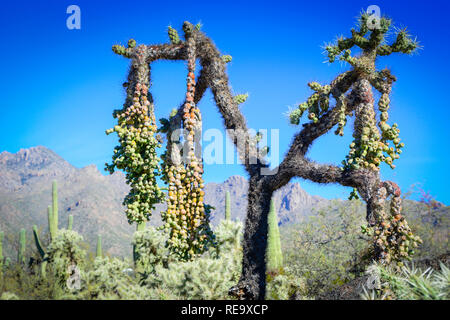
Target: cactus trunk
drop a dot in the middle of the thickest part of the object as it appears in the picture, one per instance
(51, 224)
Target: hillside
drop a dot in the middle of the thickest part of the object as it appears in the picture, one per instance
(95, 200)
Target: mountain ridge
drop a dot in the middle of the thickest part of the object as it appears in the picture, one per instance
(95, 200)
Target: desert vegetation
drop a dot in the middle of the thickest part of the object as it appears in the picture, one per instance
(323, 257)
(350, 250)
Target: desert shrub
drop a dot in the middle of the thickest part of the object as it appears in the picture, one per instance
(431, 225)
(285, 286)
(66, 256)
(9, 296)
(410, 283)
(110, 279)
(150, 251)
(325, 249)
(207, 277)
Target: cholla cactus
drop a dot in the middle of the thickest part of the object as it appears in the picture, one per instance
(108, 280)
(352, 92)
(186, 218)
(136, 153)
(208, 277)
(149, 250)
(64, 254)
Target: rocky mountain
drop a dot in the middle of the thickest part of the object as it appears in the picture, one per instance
(95, 200)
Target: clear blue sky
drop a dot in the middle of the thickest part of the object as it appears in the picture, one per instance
(59, 86)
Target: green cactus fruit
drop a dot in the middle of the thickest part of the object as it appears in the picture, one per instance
(240, 98)
(227, 58)
(173, 35)
(131, 43)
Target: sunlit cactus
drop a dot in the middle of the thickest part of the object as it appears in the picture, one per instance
(186, 218)
(274, 255)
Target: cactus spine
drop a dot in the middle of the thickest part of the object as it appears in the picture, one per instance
(99, 253)
(274, 255)
(22, 246)
(227, 206)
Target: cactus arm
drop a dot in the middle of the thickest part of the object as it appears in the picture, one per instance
(37, 241)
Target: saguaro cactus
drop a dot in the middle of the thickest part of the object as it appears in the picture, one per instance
(22, 247)
(55, 205)
(274, 255)
(227, 206)
(2, 235)
(70, 222)
(98, 252)
(41, 251)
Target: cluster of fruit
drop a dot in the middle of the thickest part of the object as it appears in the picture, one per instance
(136, 152)
(186, 218)
(393, 238)
(370, 148)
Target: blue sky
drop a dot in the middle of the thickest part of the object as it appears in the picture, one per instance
(60, 86)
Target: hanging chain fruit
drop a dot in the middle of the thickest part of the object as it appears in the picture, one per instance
(138, 143)
(186, 218)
